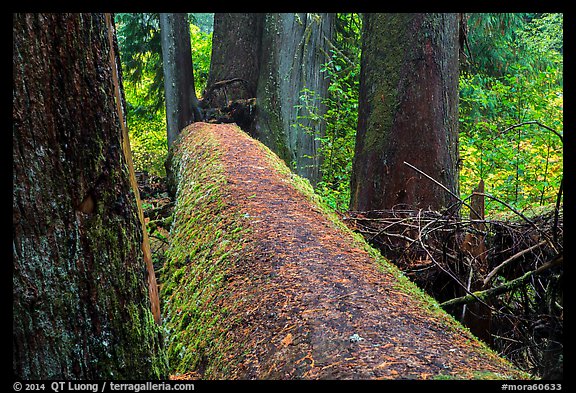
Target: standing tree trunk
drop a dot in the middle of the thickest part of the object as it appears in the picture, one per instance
(294, 48)
(81, 303)
(235, 58)
(408, 111)
(181, 101)
(182, 106)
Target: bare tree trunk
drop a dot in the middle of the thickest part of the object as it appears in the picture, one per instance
(235, 58)
(181, 101)
(294, 47)
(81, 305)
(408, 111)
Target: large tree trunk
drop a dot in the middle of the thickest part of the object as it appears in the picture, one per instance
(81, 305)
(408, 111)
(294, 48)
(235, 58)
(181, 101)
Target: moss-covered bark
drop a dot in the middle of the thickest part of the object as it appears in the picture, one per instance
(206, 241)
(268, 124)
(80, 297)
(408, 108)
(294, 48)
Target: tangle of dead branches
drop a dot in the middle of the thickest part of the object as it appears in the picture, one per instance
(501, 277)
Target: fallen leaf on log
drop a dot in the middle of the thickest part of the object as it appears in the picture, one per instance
(287, 340)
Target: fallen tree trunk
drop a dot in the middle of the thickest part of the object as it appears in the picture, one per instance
(264, 282)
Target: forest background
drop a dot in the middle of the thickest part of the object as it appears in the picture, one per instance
(510, 114)
(511, 73)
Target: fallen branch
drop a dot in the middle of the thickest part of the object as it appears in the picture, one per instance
(433, 234)
(449, 272)
(504, 288)
(444, 188)
(543, 233)
(507, 261)
(225, 82)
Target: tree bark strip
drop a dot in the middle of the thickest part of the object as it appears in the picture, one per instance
(236, 51)
(181, 101)
(293, 52)
(120, 108)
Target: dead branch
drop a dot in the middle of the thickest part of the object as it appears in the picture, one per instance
(437, 236)
(537, 123)
(444, 188)
(536, 227)
(504, 288)
(491, 275)
(449, 272)
(225, 82)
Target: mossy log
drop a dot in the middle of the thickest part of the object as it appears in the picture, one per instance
(263, 281)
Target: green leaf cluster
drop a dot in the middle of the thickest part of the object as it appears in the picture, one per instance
(523, 82)
(341, 115)
(141, 54)
(201, 43)
(141, 57)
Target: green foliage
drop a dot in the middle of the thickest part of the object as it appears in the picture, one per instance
(204, 21)
(516, 77)
(141, 52)
(337, 145)
(341, 116)
(499, 42)
(489, 37)
(141, 56)
(520, 165)
(201, 43)
(147, 128)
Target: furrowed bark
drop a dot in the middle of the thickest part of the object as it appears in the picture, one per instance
(408, 111)
(80, 297)
(293, 51)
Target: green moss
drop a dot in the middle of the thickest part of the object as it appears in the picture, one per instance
(477, 375)
(384, 54)
(271, 124)
(141, 355)
(206, 240)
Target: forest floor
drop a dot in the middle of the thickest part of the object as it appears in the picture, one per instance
(330, 309)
